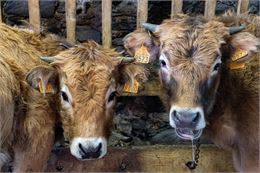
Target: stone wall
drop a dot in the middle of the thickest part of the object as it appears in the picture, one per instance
(123, 15)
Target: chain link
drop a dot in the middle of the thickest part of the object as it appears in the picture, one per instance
(194, 163)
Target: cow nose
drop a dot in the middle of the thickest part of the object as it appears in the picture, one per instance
(186, 118)
(90, 152)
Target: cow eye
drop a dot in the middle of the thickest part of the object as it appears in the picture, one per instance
(162, 63)
(217, 67)
(64, 96)
(112, 96)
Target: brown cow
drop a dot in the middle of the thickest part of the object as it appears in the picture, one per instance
(79, 90)
(199, 88)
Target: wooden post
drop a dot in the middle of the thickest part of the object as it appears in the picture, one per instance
(210, 8)
(34, 15)
(142, 12)
(176, 7)
(106, 23)
(71, 21)
(1, 11)
(242, 6)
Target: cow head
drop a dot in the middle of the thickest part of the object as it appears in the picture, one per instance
(89, 78)
(190, 51)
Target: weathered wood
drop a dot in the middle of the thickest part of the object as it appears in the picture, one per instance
(146, 159)
(142, 12)
(71, 21)
(242, 6)
(176, 6)
(210, 8)
(1, 20)
(34, 15)
(106, 23)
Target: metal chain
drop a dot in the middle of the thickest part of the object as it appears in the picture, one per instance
(194, 163)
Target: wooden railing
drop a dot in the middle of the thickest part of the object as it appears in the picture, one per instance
(142, 13)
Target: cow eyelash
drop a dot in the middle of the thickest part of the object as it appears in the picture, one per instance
(112, 96)
(217, 67)
(64, 96)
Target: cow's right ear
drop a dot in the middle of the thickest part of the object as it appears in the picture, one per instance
(45, 79)
(137, 39)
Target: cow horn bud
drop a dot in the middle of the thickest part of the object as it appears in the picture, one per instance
(235, 29)
(127, 60)
(48, 59)
(151, 27)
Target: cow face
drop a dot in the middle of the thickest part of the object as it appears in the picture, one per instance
(190, 54)
(90, 76)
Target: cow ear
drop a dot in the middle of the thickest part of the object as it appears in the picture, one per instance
(45, 79)
(135, 40)
(244, 45)
(131, 74)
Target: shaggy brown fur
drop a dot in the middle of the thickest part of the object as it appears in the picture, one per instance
(27, 118)
(230, 98)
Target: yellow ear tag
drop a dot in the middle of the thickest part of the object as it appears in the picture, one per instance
(49, 88)
(235, 66)
(238, 54)
(131, 88)
(142, 55)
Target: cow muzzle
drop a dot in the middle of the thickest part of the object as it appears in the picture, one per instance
(188, 122)
(88, 148)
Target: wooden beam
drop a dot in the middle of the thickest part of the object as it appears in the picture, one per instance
(145, 159)
(142, 12)
(176, 7)
(242, 6)
(71, 21)
(210, 8)
(34, 15)
(107, 23)
(1, 20)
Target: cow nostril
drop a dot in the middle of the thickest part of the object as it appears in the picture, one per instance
(196, 118)
(176, 116)
(98, 149)
(82, 148)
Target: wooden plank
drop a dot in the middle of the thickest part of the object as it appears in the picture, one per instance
(1, 20)
(71, 21)
(176, 6)
(106, 23)
(242, 6)
(210, 8)
(142, 13)
(145, 159)
(34, 15)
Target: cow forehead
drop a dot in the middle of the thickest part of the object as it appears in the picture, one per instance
(190, 46)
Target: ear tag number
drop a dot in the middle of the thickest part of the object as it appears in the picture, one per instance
(239, 54)
(45, 90)
(131, 88)
(142, 55)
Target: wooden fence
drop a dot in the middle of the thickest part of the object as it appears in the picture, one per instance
(142, 14)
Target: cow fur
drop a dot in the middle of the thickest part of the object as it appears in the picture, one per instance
(27, 117)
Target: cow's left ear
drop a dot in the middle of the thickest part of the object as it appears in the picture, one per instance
(131, 76)
(45, 79)
(244, 44)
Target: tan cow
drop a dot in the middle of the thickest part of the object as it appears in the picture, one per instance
(79, 90)
(210, 79)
